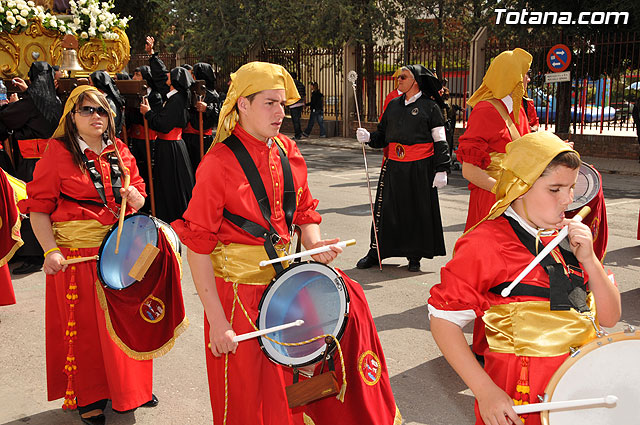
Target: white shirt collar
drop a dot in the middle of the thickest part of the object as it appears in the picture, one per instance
(510, 212)
(171, 93)
(412, 98)
(508, 102)
(84, 146)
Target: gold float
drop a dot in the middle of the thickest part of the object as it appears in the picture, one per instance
(19, 50)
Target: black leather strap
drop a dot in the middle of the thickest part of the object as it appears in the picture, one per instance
(270, 235)
(96, 178)
(564, 292)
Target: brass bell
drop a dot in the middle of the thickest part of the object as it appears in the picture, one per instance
(70, 60)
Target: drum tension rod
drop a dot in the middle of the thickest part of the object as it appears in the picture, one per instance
(327, 340)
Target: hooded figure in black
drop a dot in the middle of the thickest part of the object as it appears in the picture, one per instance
(135, 127)
(406, 210)
(211, 100)
(103, 82)
(172, 174)
(31, 120)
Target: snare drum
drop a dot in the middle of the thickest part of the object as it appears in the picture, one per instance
(605, 366)
(588, 191)
(313, 292)
(587, 187)
(138, 230)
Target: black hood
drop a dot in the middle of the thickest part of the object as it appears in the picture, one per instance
(181, 79)
(145, 71)
(103, 82)
(428, 82)
(42, 91)
(204, 71)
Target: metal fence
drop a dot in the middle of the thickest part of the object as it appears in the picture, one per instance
(605, 75)
(605, 80)
(450, 60)
(169, 59)
(322, 66)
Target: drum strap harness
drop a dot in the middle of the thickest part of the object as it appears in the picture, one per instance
(270, 235)
(96, 178)
(566, 288)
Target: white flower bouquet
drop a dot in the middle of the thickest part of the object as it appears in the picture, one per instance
(15, 14)
(93, 18)
(89, 18)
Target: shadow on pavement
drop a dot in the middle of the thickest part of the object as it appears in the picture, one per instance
(630, 303)
(390, 272)
(431, 395)
(623, 257)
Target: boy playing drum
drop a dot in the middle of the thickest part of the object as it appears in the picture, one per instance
(552, 309)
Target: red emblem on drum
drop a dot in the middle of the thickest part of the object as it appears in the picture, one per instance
(369, 367)
(152, 309)
(595, 227)
(400, 152)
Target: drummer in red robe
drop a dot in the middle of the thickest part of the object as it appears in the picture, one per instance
(10, 239)
(71, 214)
(530, 331)
(497, 118)
(245, 386)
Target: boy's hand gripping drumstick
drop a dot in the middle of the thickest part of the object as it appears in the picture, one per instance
(314, 251)
(547, 249)
(255, 334)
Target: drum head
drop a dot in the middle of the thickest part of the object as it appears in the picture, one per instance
(138, 230)
(587, 187)
(606, 366)
(312, 292)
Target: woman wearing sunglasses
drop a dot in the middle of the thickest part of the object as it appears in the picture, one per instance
(73, 200)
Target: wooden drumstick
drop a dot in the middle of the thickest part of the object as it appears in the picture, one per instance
(78, 260)
(313, 251)
(255, 334)
(608, 401)
(123, 207)
(547, 249)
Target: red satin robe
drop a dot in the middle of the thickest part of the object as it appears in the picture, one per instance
(465, 284)
(486, 133)
(103, 370)
(256, 392)
(9, 217)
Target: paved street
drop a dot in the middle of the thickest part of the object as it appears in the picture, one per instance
(427, 391)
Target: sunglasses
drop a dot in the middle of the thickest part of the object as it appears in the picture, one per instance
(87, 111)
(403, 77)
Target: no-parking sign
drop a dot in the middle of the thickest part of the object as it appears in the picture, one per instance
(559, 58)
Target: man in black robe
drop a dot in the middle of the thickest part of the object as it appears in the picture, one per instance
(210, 108)
(407, 211)
(172, 174)
(29, 123)
(135, 128)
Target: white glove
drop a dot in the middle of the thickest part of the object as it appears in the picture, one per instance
(362, 135)
(440, 179)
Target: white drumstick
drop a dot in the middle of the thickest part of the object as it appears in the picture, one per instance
(313, 251)
(547, 249)
(261, 332)
(609, 401)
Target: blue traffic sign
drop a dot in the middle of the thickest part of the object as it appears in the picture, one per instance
(559, 58)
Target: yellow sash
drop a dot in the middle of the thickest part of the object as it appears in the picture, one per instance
(79, 233)
(239, 263)
(531, 329)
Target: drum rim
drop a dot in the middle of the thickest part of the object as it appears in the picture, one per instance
(591, 198)
(104, 241)
(599, 342)
(341, 330)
